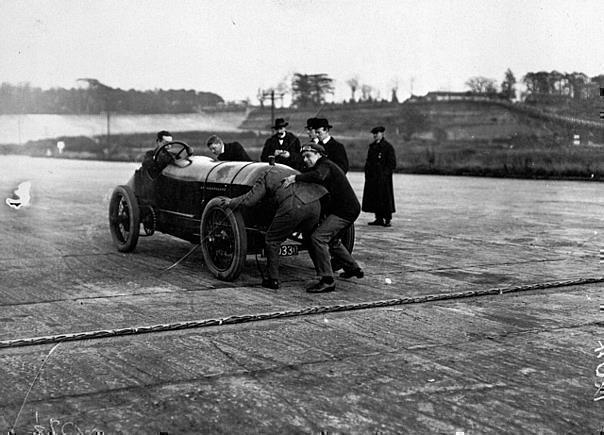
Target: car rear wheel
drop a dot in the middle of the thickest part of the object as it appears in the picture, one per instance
(223, 240)
(124, 218)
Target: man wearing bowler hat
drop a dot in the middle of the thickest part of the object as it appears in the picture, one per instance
(378, 192)
(284, 145)
(311, 131)
(334, 149)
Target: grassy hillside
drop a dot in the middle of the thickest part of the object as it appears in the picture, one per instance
(462, 138)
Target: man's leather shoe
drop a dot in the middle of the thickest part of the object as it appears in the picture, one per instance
(322, 287)
(358, 273)
(377, 222)
(387, 224)
(270, 283)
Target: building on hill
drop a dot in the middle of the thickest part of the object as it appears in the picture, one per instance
(435, 96)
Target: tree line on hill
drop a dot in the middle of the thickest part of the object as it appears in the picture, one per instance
(312, 90)
(542, 86)
(23, 98)
(306, 90)
(555, 85)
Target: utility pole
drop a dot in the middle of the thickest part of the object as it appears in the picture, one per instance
(108, 124)
(270, 93)
(105, 91)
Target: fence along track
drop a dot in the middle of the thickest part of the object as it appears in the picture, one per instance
(246, 318)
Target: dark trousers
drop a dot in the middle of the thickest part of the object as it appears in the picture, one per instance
(325, 244)
(298, 217)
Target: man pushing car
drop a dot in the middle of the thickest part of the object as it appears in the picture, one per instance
(298, 209)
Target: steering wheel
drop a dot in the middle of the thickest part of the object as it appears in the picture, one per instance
(164, 149)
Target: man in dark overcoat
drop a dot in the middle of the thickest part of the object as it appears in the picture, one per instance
(284, 145)
(310, 130)
(299, 209)
(232, 151)
(378, 192)
(334, 149)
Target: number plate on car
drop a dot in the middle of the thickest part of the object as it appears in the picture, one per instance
(285, 251)
(288, 250)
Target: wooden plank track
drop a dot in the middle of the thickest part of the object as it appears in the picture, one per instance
(511, 363)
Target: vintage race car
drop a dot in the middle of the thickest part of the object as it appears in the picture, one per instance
(184, 200)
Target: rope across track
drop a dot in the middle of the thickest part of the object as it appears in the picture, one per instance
(246, 318)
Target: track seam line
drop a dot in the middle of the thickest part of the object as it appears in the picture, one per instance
(246, 318)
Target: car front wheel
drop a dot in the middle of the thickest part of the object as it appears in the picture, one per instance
(223, 240)
(124, 218)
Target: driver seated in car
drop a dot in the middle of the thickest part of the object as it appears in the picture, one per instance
(298, 209)
(152, 165)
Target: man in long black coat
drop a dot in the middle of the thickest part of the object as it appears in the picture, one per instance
(378, 193)
(232, 151)
(284, 145)
(334, 149)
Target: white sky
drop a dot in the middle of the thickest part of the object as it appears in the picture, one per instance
(235, 47)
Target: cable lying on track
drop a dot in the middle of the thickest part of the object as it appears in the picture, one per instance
(231, 320)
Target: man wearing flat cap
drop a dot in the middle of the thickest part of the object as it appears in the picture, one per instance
(378, 192)
(342, 210)
(284, 145)
(334, 149)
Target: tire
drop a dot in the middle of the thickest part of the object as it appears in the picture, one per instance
(124, 218)
(347, 238)
(223, 240)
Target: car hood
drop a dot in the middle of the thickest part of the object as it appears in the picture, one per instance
(206, 170)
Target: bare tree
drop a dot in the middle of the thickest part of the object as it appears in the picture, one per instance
(394, 87)
(284, 87)
(411, 82)
(577, 83)
(480, 85)
(366, 92)
(507, 85)
(354, 85)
